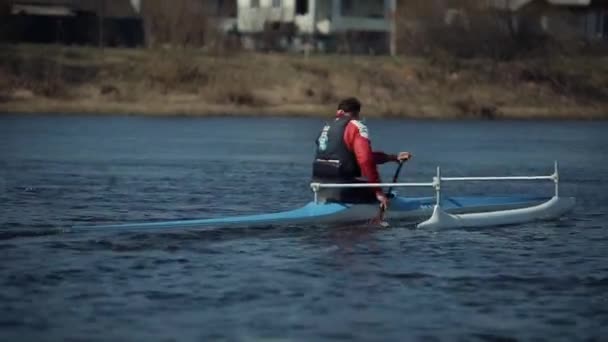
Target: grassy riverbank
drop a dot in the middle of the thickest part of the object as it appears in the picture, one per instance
(189, 82)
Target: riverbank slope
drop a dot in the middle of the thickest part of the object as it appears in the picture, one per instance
(56, 79)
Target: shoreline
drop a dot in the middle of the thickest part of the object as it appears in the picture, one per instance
(188, 82)
(67, 108)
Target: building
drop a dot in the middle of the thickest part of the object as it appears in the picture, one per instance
(569, 19)
(79, 22)
(355, 26)
(225, 11)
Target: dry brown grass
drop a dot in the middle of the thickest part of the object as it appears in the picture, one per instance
(191, 82)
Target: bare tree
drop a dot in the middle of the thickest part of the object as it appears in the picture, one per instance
(464, 28)
(101, 18)
(4, 25)
(178, 23)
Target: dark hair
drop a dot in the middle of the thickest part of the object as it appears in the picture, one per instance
(350, 105)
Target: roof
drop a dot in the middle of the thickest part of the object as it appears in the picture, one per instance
(46, 10)
(110, 8)
(515, 5)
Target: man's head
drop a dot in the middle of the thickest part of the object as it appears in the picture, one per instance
(350, 106)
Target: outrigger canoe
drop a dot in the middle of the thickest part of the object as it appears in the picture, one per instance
(439, 212)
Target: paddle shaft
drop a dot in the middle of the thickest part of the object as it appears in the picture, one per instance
(395, 176)
(380, 217)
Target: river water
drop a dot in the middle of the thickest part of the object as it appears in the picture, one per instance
(536, 281)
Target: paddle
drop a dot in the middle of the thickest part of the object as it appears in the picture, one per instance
(395, 177)
(380, 217)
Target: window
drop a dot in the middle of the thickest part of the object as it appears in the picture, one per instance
(276, 3)
(596, 24)
(301, 7)
(606, 24)
(363, 9)
(227, 8)
(255, 3)
(347, 6)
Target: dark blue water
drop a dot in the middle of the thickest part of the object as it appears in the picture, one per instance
(537, 281)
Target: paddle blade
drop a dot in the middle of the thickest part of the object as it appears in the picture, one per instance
(384, 224)
(379, 220)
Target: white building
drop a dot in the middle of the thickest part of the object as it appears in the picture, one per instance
(324, 21)
(565, 18)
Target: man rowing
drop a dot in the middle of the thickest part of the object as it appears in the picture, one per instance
(344, 155)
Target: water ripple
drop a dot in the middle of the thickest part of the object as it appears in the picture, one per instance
(537, 281)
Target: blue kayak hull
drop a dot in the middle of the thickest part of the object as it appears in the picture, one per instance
(323, 213)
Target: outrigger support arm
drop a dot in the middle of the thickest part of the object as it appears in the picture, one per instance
(368, 185)
(436, 184)
(556, 179)
(315, 190)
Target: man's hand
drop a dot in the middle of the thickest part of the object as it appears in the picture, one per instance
(403, 156)
(382, 199)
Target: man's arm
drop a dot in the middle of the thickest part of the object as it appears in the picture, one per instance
(357, 130)
(356, 138)
(366, 159)
(381, 157)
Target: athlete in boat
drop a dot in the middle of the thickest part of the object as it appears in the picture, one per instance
(344, 155)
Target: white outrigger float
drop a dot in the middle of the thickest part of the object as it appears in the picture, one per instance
(462, 212)
(439, 211)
